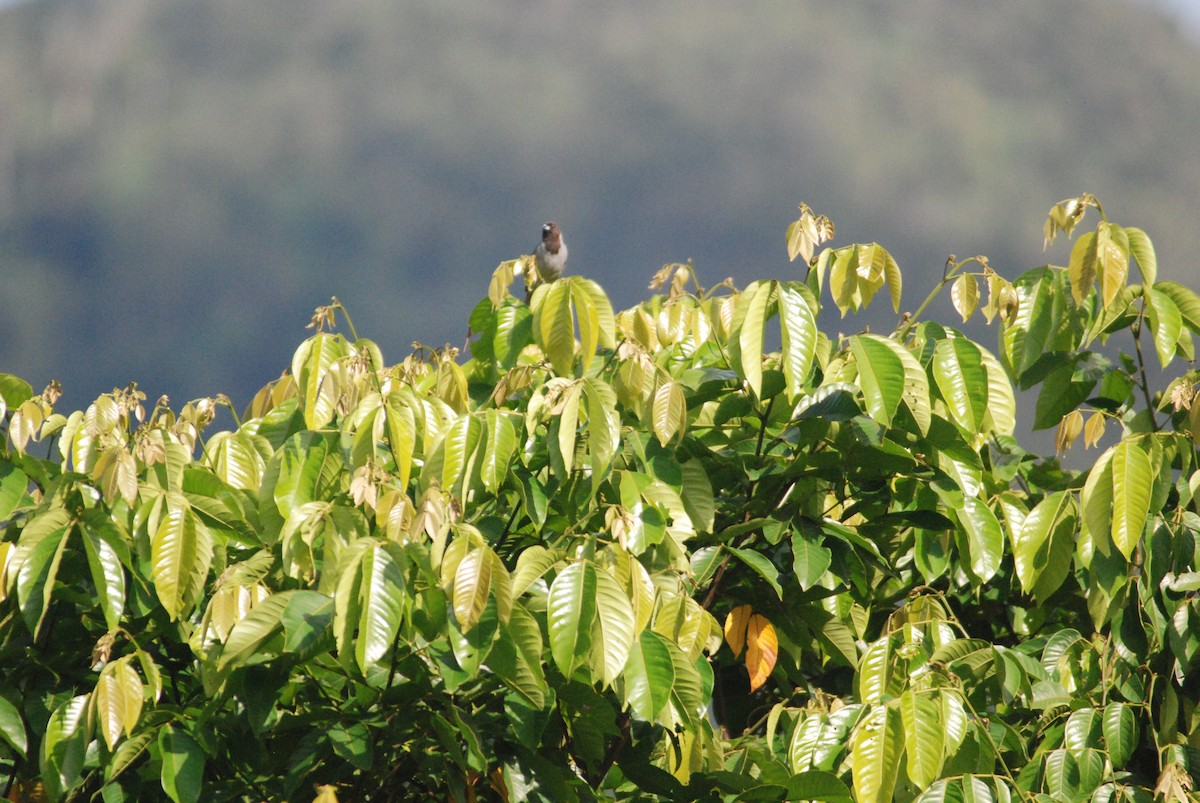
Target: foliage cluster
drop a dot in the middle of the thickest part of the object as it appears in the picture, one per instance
(400, 143)
(632, 554)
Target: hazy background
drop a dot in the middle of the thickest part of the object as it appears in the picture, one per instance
(183, 181)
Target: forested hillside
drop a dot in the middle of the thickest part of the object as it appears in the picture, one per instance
(180, 182)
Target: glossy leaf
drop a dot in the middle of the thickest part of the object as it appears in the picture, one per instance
(1166, 323)
(614, 626)
(649, 674)
(64, 745)
(571, 610)
(962, 380)
(12, 727)
(1143, 254)
(880, 375)
(118, 701)
(1120, 732)
(181, 552)
(964, 294)
(669, 413)
(1132, 478)
(799, 329)
(369, 602)
(985, 538)
(750, 319)
(924, 751)
(876, 747)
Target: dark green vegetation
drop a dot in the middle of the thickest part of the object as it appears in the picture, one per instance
(180, 178)
(633, 554)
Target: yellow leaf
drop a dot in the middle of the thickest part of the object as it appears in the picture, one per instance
(762, 648)
(735, 628)
(965, 295)
(1094, 430)
(1068, 430)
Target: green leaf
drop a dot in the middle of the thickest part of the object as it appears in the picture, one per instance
(118, 700)
(697, 494)
(369, 601)
(13, 483)
(12, 727)
(501, 438)
(668, 413)
(876, 747)
(1186, 301)
(37, 576)
(597, 325)
(180, 553)
(104, 545)
(1025, 338)
(761, 565)
(1082, 731)
(817, 785)
(14, 392)
(648, 676)
(1120, 732)
(311, 366)
(1042, 547)
(554, 328)
(517, 659)
(248, 633)
(1083, 267)
(455, 455)
(64, 746)
(568, 425)
(613, 627)
(1132, 477)
(960, 376)
(1143, 253)
(1001, 415)
(875, 672)
(570, 612)
(923, 736)
(747, 338)
(810, 559)
(799, 329)
(1166, 323)
(182, 774)
(985, 538)
(880, 375)
(472, 585)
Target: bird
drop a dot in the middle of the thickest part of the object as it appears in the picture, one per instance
(549, 258)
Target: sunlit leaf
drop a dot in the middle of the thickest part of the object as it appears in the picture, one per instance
(118, 701)
(1165, 321)
(962, 380)
(964, 294)
(762, 649)
(799, 329)
(669, 413)
(985, 538)
(180, 553)
(876, 748)
(920, 715)
(613, 627)
(1132, 477)
(571, 610)
(880, 375)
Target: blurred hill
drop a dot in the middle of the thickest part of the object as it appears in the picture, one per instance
(181, 183)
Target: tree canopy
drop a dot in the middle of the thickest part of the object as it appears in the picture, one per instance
(633, 554)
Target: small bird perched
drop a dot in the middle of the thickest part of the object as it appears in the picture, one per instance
(549, 258)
